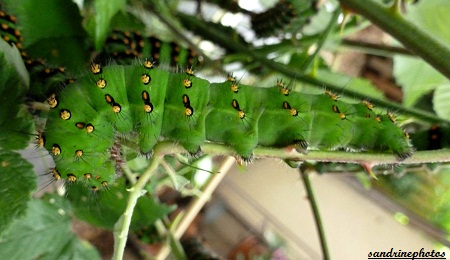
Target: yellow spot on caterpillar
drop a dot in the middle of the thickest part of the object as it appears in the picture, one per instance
(293, 111)
(231, 78)
(116, 108)
(367, 115)
(87, 176)
(188, 111)
(79, 153)
(148, 108)
(71, 178)
(407, 134)
(90, 128)
(241, 114)
(283, 89)
(234, 87)
(332, 95)
(391, 117)
(378, 119)
(64, 114)
(186, 101)
(105, 184)
(187, 83)
(336, 110)
(52, 101)
(96, 68)
(98, 177)
(190, 72)
(148, 64)
(145, 96)
(235, 105)
(56, 174)
(101, 83)
(145, 78)
(94, 189)
(368, 104)
(109, 99)
(40, 139)
(80, 125)
(56, 150)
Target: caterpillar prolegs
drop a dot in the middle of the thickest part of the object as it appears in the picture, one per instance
(152, 104)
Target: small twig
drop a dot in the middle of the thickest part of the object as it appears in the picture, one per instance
(324, 36)
(122, 226)
(197, 204)
(379, 49)
(316, 213)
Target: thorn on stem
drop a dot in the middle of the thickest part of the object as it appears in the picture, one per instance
(368, 167)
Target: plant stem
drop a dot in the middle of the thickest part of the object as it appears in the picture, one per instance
(375, 158)
(411, 36)
(380, 50)
(331, 24)
(316, 213)
(122, 226)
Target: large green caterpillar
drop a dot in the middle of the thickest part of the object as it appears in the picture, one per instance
(151, 104)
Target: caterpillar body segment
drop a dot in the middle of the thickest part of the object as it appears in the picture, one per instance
(152, 104)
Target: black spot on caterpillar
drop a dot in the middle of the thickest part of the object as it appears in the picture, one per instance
(81, 129)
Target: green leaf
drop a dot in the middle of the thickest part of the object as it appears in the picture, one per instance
(17, 182)
(440, 101)
(417, 77)
(48, 27)
(15, 122)
(104, 208)
(432, 16)
(106, 9)
(45, 233)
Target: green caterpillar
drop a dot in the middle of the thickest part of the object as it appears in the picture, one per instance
(151, 104)
(284, 13)
(43, 76)
(277, 18)
(8, 30)
(124, 46)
